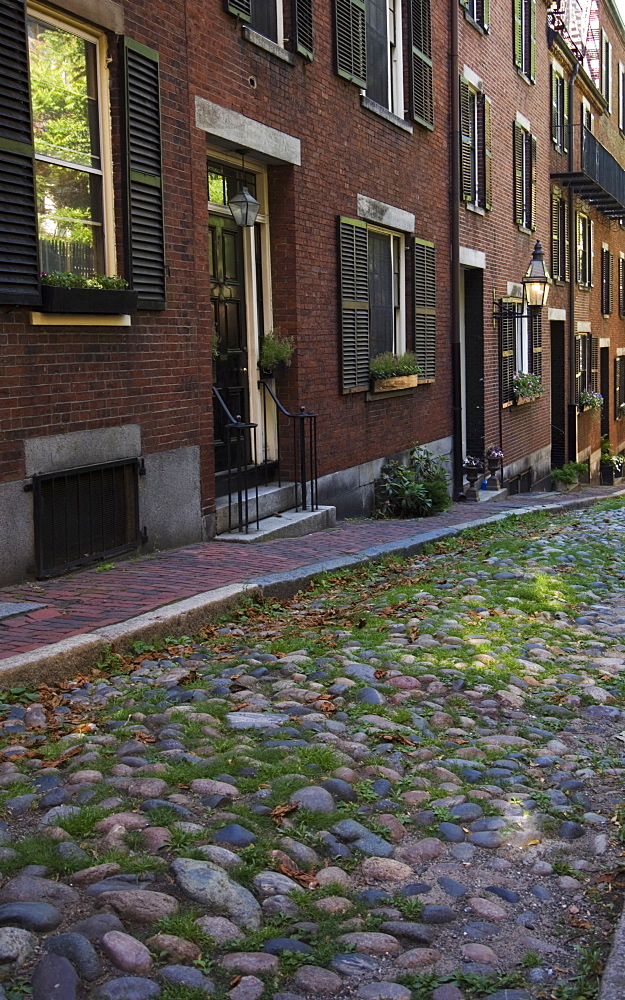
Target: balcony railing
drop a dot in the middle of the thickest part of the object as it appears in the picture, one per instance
(599, 178)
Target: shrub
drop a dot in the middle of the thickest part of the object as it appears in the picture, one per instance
(564, 475)
(417, 490)
(67, 279)
(275, 349)
(392, 365)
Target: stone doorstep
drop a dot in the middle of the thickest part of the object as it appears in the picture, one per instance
(290, 524)
(272, 500)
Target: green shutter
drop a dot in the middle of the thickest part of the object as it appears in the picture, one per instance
(486, 15)
(578, 368)
(532, 40)
(421, 98)
(567, 241)
(532, 193)
(466, 141)
(303, 25)
(594, 364)
(536, 329)
(351, 40)
(518, 174)
(488, 154)
(425, 307)
(518, 34)
(145, 242)
(508, 322)
(565, 123)
(555, 237)
(580, 248)
(240, 8)
(354, 277)
(19, 252)
(555, 122)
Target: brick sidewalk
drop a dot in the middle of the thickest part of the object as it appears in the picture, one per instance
(88, 599)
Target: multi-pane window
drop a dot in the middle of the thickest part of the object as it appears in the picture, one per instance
(368, 53)
(524, 177)
(607, 281)
(520, 345)
(372, 297)
(605, 82)
(584, 250)
(68, 155)
(478, 11)
(475, 147)
(559, 109)
(619, 385)
(560, 251)
(586, 364)
(587, 117)
(384, 68)
(525, 37)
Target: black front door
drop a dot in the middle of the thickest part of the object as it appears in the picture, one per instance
(230, 357)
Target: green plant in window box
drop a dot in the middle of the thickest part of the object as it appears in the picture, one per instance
(526, 386)
(394, 371)
(276, 353)
(97, 294)
(592, 401)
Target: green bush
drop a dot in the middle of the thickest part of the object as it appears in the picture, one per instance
(565, 475)
(275, 349)
(417, 490)
(67, 279)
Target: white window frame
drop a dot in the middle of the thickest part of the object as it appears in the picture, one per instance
(397, 246)
(588, 118)
(621, 97)
(559, 141)
(583, 244)
(97, 38)
(395, 63)
(279, 40)
(522, 342)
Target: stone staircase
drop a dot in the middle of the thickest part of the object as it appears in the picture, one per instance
(277, 516)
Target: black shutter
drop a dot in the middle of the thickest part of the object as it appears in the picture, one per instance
(594, 364)
(533, 175)
(519, 149)
(618, 385)
(145, 241)
(421, 86)
(354, 276)
(240, 8)
(508, 322)
(564, 208)
(488, 153)
(303, 25)
(351, 40)
(610, 282)
(621, 287)
(425, 308)
(555, 237)
(19, 259)
(578, 368)
(466, 142)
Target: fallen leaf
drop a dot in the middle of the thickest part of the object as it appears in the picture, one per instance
(281, 811)
(241, 705)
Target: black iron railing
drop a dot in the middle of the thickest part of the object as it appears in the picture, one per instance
(303, 457)
(597, 176)
(241, 449)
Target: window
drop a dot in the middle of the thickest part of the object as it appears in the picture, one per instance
(55, 168)
(587, 117)
(607, 281)
(586, 364)
(605, 81)
(383, 34)
(369, 54)
(263, 16)
(560, 249)
(559, 109)
(621, 97)
(525, 38)
(619, 385)
(372, 290)
(524, 178)
(68, 161)
(475, 148)
(520, 343)
(584, 250)
(478, 11)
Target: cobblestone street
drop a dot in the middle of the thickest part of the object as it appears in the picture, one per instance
(406, 783)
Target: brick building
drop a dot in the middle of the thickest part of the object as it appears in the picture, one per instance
(403, 158)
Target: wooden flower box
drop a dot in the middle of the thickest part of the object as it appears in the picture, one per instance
(90, 301)
(397, 382)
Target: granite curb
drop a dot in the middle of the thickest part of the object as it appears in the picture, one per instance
(62, 660)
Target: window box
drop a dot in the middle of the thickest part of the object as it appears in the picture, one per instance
(521, 400)
(397, 382)
(95, 301)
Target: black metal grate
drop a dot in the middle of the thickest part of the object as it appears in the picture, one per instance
(82, 515)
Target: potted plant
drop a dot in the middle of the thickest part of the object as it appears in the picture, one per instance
(96, 294)
(494, 458)
(526, 387)
(276, 353)
(472, 469)
(610, 465)
(394, 371)
(563, 479)
(592, 401)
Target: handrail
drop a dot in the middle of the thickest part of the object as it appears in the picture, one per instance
(241, 434)
(305, 469)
